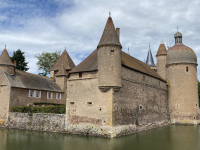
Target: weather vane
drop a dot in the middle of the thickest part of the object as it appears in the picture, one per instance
(177, 28)
(128, 51)
(109, 14)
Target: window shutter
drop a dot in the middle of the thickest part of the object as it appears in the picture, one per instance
(39, 94)
(51, 95)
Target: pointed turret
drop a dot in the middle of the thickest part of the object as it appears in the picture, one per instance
(61, 78)
(109, 58)
(5, 62)
(61, 71)
(109, 36)
(64, 60)
(161, 61)
(149, 60)
(162, 49)
(5, 58)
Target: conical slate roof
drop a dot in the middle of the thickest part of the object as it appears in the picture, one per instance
(162, 49)
(64, 59)
(5, 58)
(62, 71)
(149, 60)
(109, 36)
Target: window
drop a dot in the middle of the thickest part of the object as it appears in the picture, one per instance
(187, 69)
(143, 78)
(80, 74)
(48, 95)
(140, 107)
(58, 95)
(36, 94)
(112, 53)
(90, 103)
(71, 102)
(30, 93)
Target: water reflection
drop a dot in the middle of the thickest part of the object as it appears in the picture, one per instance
(165, 138)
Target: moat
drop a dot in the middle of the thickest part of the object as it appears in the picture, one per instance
(165, 138)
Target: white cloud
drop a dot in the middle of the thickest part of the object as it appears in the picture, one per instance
(79, 27)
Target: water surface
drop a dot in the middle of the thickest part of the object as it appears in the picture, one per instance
(165, 138)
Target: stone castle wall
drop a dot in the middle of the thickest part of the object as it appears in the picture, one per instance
(161, 66)
(86, 104)
(109, 66)
(142, 100)
(183, 93)
(57, 123)
(4, 97)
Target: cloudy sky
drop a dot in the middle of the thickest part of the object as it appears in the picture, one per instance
(35, 26)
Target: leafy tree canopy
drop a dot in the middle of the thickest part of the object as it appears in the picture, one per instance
(46, 61)
(20, 59)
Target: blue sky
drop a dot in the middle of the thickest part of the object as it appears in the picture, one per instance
(35, 26)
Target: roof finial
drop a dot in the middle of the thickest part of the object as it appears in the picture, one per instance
(65, 47)
(5, 46)
(177, 28)
(149, 45)
(109, 14)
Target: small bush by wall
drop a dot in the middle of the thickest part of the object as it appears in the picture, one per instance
(42, 103)
(39, 109)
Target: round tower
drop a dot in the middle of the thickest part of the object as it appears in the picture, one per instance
(161, 61)
(109, 58)
(6, 63)
(182, 80)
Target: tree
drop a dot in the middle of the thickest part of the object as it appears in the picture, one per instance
(20, 59)
(46, 61)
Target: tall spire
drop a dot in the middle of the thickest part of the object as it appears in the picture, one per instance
(109, 36)
(149, 60)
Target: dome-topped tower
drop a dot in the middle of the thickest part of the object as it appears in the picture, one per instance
(182, 80)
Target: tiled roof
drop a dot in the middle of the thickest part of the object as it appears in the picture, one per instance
(90, 64)
(64, 59)
(61, 72)
(161, 50)
(31, 81)
(5, 58)
(109, 36)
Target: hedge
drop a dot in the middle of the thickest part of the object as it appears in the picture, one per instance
(40, 109)
(42, 103)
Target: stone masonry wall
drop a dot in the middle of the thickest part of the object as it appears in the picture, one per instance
(142, 100)
(36, 121)
(161, 66)
(183, 93)
(86, 104)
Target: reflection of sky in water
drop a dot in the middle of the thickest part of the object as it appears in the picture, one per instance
(165, 138)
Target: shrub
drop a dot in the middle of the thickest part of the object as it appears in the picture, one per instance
(42, 103)
(39, 109)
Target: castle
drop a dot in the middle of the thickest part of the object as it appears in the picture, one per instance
(110, 90)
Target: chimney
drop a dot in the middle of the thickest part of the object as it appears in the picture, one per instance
(15, 64)
(118, 32)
